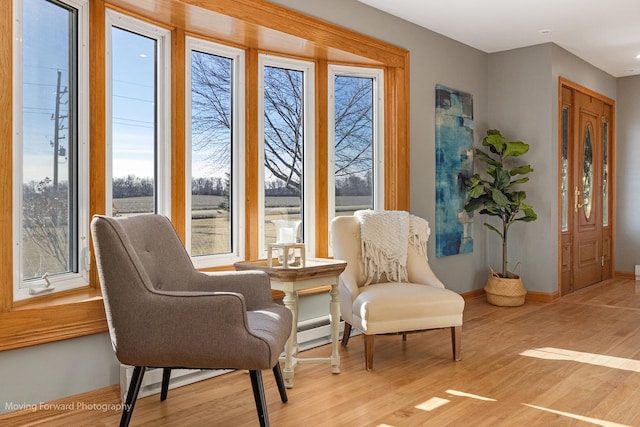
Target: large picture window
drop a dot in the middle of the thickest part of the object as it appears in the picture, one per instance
(50, 137)
(214, 165)
(138, 109)
(286, 122)
(355, 139)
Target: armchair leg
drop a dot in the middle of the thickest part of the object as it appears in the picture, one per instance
(258, 394)
(280, 382)
(456, 342)
(132, 395)
(166, 376)
(368, 351)
(346, 334)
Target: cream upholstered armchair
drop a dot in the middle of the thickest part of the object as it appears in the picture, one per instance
(390, 306)
(162, 313)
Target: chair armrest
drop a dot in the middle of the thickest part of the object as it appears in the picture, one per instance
(348, 283)
(255, 286)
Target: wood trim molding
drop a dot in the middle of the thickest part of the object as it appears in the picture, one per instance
(97, 127)
(47, 321)
(6, 158)
(321, 160)
(178, 124)
(630, 275)
(251, 157)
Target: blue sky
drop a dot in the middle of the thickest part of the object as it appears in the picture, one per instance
(45, 51)
(133, 59)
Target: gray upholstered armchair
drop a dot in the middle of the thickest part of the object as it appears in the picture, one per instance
(163, 313)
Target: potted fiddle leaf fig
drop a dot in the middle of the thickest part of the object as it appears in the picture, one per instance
(496, 192)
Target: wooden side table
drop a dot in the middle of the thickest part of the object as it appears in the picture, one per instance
(317, 272)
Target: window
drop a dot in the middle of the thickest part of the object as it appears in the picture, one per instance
(355, 140)
(286, 121)
(50, 146)
(138, 111)
(214, 153)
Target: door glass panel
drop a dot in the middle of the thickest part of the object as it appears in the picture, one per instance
(605, 174)
(565, 168)
(587, 173)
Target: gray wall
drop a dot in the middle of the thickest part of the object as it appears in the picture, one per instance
(627, 247)
(46, 372)
(520, 89)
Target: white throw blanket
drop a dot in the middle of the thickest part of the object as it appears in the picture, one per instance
(385, 236)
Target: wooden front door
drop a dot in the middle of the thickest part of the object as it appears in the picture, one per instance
(586, 232)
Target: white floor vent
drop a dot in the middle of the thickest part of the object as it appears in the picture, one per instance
(311, 333)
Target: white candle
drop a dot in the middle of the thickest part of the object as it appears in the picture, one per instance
(286, 235)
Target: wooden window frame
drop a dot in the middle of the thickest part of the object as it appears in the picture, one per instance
(253, 25)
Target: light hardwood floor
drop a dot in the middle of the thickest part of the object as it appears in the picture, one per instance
(573, 362)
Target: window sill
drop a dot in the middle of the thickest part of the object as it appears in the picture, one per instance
(70, 314)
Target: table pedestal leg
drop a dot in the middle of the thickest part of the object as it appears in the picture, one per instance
(334, 319)
(291, 302)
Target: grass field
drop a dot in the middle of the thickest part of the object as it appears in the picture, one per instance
(210, 226)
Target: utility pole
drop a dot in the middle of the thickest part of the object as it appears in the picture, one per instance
(57, 128)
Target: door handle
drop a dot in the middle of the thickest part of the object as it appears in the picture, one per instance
(577, 197)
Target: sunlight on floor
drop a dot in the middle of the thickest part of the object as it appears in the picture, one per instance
(579, 417)
(437, 402)
(473, 396)
(550, 353)
(431, 404)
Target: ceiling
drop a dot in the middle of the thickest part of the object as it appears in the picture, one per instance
(604, 33)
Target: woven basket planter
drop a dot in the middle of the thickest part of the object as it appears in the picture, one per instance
(505, 292)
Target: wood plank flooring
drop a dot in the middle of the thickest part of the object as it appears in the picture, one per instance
(573, 362)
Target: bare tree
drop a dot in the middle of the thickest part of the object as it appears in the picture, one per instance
(211, 107)
(45, 222)
(283, 120)
(353, 126)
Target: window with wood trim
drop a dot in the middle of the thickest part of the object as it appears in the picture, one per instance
(286, 125)
(214, 152)
(138, 110)
(50, 216)
(356, 135)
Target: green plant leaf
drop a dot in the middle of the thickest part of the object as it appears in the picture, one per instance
(499, 198)
(476, 191)
(518, 181)
(502, 178)
(515, 148)
(496, 143)
(517, 197)
(521, 170)
(491, 227)
(482, 156)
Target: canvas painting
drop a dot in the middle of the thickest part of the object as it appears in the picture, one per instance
(454, 164)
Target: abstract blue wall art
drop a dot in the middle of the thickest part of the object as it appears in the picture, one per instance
(454, 164)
